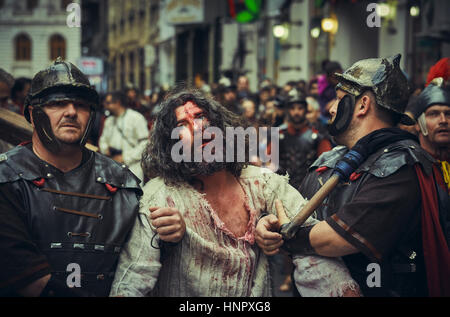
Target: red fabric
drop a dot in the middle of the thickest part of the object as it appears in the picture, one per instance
(111, 188)
(435, 249)
(232, 9)
(324, 146)
(39, 182)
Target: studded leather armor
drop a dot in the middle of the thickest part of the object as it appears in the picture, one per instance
(83, 216)
(297, 153)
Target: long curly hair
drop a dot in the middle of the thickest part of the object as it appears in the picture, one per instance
(156, 159)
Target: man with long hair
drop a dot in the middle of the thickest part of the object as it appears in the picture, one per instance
(220, 203)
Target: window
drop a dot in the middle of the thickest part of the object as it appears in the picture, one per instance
(57, 47)
(142, 68)
(122, 71)
(131, 65)
(23, 47)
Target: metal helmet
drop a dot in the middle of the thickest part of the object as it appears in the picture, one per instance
(295, 96)
(61, 81)
(384, 78)
(433, 94)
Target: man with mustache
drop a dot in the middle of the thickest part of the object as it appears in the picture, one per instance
(65, 211)
(384, 217)
(220, 203)
(432, 112)
(300, 145)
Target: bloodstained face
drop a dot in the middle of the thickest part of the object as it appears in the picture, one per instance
(193, 120)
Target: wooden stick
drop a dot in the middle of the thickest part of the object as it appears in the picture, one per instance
(288, 229)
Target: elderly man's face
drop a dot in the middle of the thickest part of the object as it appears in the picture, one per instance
(68, 120)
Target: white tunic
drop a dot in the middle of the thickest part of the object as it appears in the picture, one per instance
(128, 133)
(210, 260)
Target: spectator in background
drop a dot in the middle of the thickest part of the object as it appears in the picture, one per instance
(264, 95)
(243, 87)
(288, 87)
(6, 83)
(249, 107)
(20, 91)
(301, 85)
(313, 89)
(228, 96)
(201, 84)
(326, 86)
(125, 134)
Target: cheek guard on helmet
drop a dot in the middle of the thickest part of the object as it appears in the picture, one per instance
(344, 115)
(45, 132)
(60, 82)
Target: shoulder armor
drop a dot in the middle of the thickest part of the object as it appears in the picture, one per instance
(385, 161)
(18, 163)
(388, 160)
(109, 171)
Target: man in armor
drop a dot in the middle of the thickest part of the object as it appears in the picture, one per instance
(432, 112)
(65, 211)
(300, 145)
(384, 216)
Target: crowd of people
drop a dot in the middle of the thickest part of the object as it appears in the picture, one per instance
(389, 145)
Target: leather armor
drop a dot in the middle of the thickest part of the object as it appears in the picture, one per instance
(407, 258)
(297, 153)
(83, 216)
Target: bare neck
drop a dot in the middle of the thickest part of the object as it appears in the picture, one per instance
(66, 160)
(365, 127)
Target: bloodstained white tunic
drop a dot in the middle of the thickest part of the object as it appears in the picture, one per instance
(210, 260)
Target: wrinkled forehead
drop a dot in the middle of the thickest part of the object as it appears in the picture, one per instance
(188, 110)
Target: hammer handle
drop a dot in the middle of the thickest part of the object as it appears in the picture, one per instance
(288, 230)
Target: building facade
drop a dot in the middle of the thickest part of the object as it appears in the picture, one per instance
(34, 33)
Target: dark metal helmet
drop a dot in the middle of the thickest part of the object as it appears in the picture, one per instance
(384, 78)
(433, 94)
(295, 96)
(61, 81)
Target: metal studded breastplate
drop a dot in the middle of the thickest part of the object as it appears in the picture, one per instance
(297, 153)
(82, 217)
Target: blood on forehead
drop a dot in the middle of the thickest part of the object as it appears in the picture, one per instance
(187, 111)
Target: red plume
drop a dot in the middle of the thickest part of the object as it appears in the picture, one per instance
(440, 69)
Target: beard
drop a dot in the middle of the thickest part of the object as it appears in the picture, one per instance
(346, 137)
(195, 169)
(296, 119)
